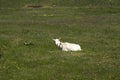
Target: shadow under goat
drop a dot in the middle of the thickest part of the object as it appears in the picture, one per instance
(66, 46)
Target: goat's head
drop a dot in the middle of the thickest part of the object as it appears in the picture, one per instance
(57, 42)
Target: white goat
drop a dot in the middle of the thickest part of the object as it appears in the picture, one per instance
(65, 46)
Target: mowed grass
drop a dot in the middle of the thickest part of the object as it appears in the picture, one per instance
(97, 30)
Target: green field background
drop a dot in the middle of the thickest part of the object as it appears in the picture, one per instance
(94, 24)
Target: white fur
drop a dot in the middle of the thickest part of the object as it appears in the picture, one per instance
(65, 46)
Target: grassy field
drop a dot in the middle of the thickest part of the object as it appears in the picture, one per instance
(94, 24)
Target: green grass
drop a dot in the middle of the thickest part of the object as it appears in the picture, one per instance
(97, 30)
(61, 3)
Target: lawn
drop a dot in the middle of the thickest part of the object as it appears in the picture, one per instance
(94, 26)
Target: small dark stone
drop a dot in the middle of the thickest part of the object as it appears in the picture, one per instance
(28, 43)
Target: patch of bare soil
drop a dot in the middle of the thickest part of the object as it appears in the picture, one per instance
(33, 6)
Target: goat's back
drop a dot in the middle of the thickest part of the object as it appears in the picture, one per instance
(70, 46)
